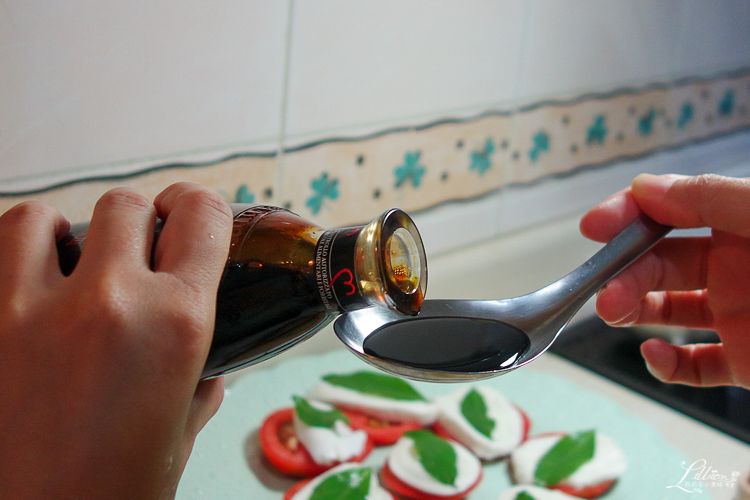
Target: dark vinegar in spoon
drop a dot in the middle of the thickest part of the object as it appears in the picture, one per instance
(451, 344)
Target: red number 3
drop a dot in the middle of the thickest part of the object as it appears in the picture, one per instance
(349, 282)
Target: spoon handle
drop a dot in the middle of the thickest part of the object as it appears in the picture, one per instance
(577, 287)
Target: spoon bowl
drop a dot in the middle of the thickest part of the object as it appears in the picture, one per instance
(541, 316)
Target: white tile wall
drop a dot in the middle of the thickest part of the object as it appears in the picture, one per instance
(359, 67)
(92, 87)
(717, 36)
(580, 46)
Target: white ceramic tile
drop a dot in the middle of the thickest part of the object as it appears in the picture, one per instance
(365, 65)
(580, 46)
(107, 86)
(718, 36)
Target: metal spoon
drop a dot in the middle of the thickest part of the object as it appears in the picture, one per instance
(542, 315)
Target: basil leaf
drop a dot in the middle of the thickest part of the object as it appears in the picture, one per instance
(565, 457)
(474, 410)
(350, 484)
(436, 455)
(314, 417)
(524, 495)
(376, 384)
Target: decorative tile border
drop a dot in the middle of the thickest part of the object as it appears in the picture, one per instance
(230, 177)
(419, 168)
(345, 180)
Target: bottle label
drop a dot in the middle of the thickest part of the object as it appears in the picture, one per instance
(334, 269)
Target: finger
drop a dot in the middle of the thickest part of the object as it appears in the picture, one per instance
(709, 200)
(685, 309)
(120, 233)
(607, 219)
(29, 251)
(206, 402)
(194, 242)
(699, 364)
(673, 264)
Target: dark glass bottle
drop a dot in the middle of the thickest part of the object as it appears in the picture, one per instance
(286, 278)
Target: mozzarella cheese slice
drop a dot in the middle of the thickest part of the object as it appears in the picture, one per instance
(424, 412)
(607, 463)
(376, 492)
(508, 431)
(330, 445)
(405, 465)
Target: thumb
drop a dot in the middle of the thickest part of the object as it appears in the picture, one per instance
(708, 200)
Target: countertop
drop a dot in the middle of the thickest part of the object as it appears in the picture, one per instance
(523, 262)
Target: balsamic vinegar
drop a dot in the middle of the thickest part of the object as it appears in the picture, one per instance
(451, 344)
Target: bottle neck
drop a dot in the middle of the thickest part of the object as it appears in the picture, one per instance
(335, 270)
(380, 264)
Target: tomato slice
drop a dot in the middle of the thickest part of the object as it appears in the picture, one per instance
(283, 449)
(445, 434)
(592, 491)
(381, 432)
(389, 481)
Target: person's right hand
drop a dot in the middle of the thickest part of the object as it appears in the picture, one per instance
(100, 394)
(695, 282)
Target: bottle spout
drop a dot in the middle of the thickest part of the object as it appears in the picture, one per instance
(391, 265)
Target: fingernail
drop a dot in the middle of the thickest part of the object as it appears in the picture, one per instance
(654, 185)
(654, 372)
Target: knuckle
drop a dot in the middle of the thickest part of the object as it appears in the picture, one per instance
(705, 180)
(15, 312)
(123, 198)
(108, 303)
(705, 192)
(705, 186)
(209, 202)
(28, 212)
(190, 324)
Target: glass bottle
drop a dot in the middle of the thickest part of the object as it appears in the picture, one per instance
(286, 278)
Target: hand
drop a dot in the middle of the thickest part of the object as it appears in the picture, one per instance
(100, 394)
(695, 282)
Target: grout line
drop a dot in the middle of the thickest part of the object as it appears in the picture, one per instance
(279, 177)
(521, 75)
(687, 10)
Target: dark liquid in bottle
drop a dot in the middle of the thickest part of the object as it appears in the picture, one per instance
(268, 295)
(452, 344)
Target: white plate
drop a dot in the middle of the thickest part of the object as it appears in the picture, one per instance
(227, 463)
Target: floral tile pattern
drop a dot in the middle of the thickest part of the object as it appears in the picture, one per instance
(343, 181)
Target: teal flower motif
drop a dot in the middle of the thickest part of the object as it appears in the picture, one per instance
(726, 105)
(686, 115)
(323, 187)
(646, 123)
(597, 131)
(540, 145)
(243, 195)
(480, 160)
(410, 170)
